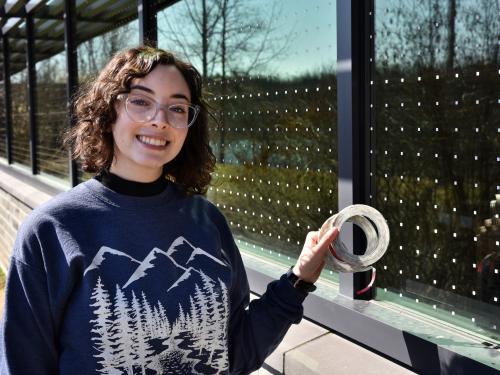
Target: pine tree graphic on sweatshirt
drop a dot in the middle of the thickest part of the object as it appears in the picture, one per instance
(133, 335)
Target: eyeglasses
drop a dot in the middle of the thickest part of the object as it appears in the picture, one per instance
(141, 108)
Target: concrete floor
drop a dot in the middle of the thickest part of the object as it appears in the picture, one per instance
(308, 349)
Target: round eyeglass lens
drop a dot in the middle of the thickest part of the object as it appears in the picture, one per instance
(143, 109)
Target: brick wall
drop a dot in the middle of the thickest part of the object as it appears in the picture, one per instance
(12, 213)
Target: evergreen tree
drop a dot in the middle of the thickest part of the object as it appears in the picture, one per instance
(148, 315)
(195, 319)
(156, 322)
(202, 316)
(221, 361)
(124, 334)
(102, 327)
(213, 316)
(165, 324)
(141, 343)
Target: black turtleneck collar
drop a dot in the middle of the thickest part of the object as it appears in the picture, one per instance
(133, 188)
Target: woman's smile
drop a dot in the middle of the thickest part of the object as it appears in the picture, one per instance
(158, 142)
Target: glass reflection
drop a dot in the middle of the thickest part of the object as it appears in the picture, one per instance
(269, 68)
(437, 124)
(51, 115)
(20, 129)
(3, 148)
(94, 53)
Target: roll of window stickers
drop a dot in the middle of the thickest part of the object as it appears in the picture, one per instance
(377, 235)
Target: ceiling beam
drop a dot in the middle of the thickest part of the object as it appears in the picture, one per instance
(47, 14)
(34, 5)
(10, 24)
(97, 17)
(13, 6)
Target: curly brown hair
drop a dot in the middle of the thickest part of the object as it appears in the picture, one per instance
(91, 139)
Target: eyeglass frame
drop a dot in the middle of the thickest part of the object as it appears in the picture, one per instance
(124, 96)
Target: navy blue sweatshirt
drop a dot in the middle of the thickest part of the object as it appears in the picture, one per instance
(102, 282)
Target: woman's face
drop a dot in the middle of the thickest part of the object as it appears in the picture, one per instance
(141, 149)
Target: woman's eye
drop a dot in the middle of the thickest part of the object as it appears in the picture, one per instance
(178, 109)
(140, 102)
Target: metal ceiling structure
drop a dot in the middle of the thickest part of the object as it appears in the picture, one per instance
(92, 18)
(34, 30)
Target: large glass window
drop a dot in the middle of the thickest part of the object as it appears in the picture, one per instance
(436, 126)
(94, 53)
(51, 115)
(270, 79)
(3, 130)
(20, 126)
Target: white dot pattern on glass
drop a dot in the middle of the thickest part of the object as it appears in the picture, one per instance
(432, 167)
(435, 160)
(275, 134)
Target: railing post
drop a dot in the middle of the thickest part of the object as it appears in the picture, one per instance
(32, 105)
(72, 68)
(353, 30)
(148, 27)
(7, 98)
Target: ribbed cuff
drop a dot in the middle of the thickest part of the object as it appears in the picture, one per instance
(286, 291)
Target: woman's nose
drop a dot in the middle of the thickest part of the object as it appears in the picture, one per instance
(161, 119)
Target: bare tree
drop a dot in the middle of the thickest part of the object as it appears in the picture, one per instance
(225, 35)
(95, 52)
(229, 38)
(452, 15)
(198, 39)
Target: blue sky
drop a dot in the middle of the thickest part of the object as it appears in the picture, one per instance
(309, 26)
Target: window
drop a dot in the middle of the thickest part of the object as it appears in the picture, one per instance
(94, 53)
(437, 161)
(51, 115)
(3, 146)
(270, 79)
(20, 126)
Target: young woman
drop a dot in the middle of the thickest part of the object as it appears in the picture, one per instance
(134, 271)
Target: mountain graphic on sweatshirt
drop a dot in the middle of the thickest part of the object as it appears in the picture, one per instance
(175, 260)
(133, 333)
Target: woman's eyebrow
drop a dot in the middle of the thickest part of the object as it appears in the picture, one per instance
(180, 96)
(148, 90)
(140, 87)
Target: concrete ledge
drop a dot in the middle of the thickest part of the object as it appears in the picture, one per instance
(296, 336)
(20, 193)
(332, 354)
(31, 190)
(309, 349)
(29, 195)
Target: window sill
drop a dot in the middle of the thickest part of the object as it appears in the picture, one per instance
(411, 338)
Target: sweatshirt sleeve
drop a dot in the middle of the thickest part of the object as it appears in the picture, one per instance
(27, 343)
(257, 328)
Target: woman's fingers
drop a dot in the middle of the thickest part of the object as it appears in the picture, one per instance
(312, 259)
(327, 239)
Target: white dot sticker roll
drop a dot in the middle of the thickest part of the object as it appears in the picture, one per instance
(376, 232)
